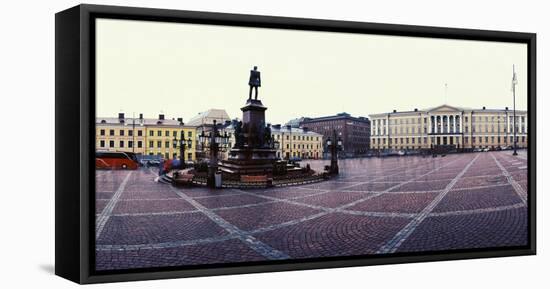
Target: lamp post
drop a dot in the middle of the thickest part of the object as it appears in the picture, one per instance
(216, 141)
(514, 83)
(182, 143)
(334, 144)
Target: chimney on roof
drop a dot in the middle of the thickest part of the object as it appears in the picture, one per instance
(180, 120)
(394, 111)
(506, 108)
(484, 108)
(141, 116)
(161, 116)
(121, 115)
(416, 109)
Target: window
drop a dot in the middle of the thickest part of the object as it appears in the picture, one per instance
(121, 132)
(102, 143)
(111, 143)
(159, 143)
(111, 132)
(150, 143)
(121, 144)
(140, 132)
(167, 133)
(159, 133)
(102, 132)
(130, 144)
(175, 134)
(189, 156)
(166, 144)
(189, 134)
(131, 133)
(151, 133)
(139, 144)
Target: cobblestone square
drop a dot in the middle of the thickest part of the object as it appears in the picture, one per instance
(375, 206)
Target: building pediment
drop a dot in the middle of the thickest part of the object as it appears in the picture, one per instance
(444, 108)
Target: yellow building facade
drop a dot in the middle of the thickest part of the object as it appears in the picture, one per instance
(297, 142)
(145, 136)
(448, 125)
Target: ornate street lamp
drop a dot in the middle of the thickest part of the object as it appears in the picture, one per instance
(216, 142)
(334, 147)
(182, 143)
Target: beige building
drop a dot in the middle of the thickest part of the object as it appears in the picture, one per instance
(447, 125)
(297, 142)
(144, 136)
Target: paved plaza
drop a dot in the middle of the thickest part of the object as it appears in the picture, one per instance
(375, 206)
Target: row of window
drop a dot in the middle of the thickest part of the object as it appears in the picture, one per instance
(123, 132)
(174, 155)
(130, 144)
(424, 140)
(304, 146)
(479, 128)
(297, 137)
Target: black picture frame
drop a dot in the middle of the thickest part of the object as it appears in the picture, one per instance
(75, 135)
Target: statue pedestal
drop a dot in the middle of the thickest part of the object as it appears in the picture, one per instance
(246, 161)
(252, 158)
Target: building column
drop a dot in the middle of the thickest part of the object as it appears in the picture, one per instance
(454, 123)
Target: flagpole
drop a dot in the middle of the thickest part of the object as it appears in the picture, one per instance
(514, 82)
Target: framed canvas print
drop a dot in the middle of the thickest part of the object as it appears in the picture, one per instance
(193, 144)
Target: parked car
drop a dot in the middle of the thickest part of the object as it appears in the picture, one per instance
(115, 160)
(153, 163)
(401, 153)
(485, 149)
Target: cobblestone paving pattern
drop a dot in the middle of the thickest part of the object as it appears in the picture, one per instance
(376, 205)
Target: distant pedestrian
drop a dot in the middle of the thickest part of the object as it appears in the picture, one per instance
(167, 165)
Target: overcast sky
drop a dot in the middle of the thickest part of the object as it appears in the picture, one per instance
(183, 69)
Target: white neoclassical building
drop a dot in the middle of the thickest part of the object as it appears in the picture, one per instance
(447, 125)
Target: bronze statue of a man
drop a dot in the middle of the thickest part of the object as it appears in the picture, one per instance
(254, 82)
